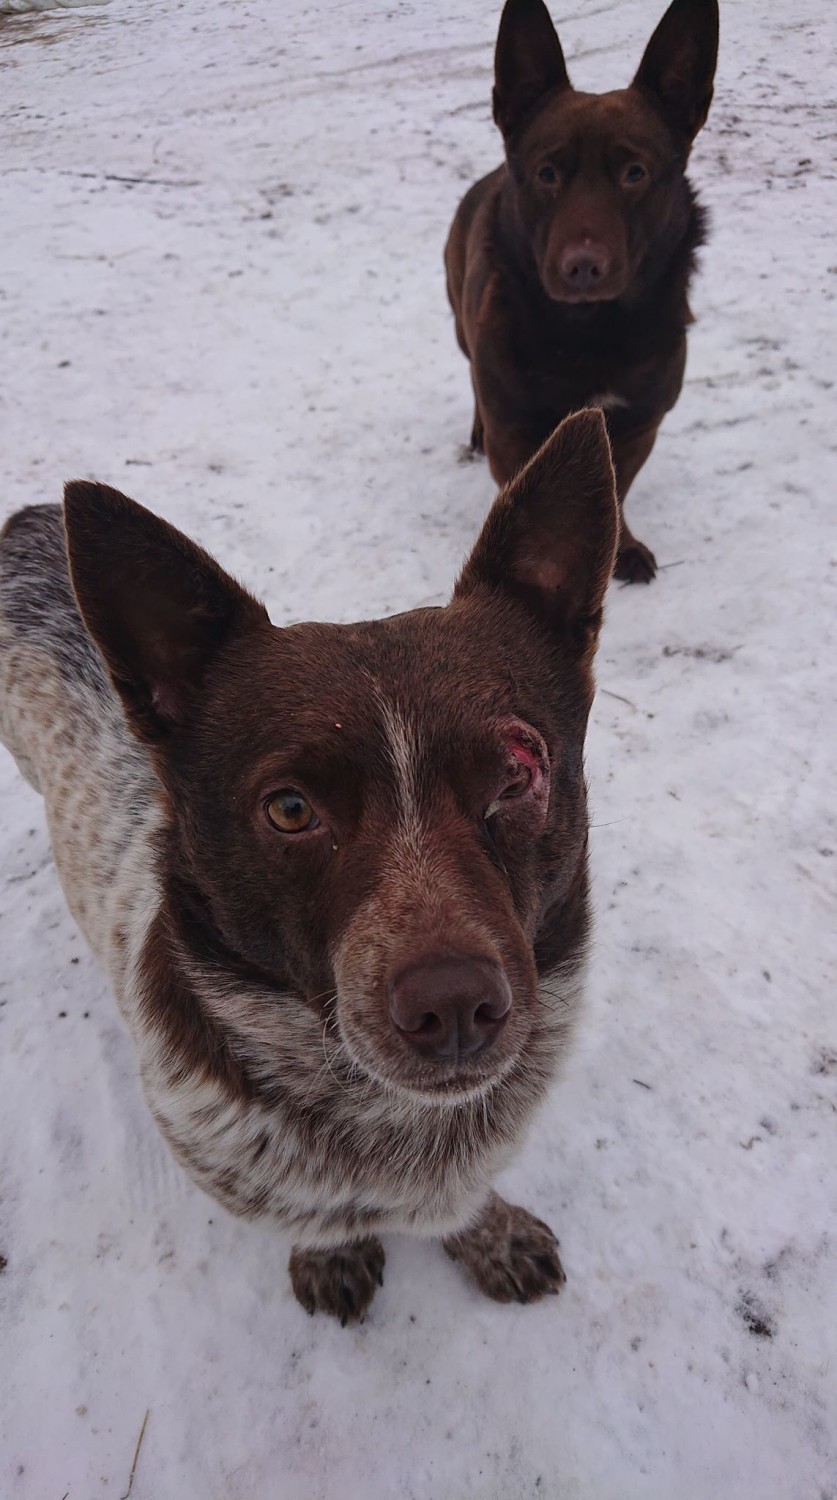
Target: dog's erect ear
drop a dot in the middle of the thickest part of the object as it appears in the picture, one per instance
(678, 68)
(550, 537)
(528, 63)
(157, 606)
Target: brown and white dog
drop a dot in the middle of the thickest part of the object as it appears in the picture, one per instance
(337, 874)
(568, 267)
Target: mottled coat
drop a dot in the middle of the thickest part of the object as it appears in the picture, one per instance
(255, 971)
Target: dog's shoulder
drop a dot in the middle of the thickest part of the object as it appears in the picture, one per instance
(480, 199)
(37, 604)
(33, 552)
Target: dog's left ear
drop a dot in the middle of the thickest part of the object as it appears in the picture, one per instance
(550, 537)
(528, 63)
(678, 67)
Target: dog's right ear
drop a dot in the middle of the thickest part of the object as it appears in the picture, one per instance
(678, 67)
(550, 537)
(528, 63)
(158, 607)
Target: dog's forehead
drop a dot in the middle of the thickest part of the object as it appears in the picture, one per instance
(621, 117)
(426, 659)
(440, 675)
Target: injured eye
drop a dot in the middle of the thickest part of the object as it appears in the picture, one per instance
(290, 812)
(517, 785)
(524, 774)
(517, 794)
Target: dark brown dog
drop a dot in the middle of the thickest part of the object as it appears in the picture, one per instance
(337, 874)
(568, 268)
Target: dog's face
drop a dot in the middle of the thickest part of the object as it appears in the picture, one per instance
(599, 177)
(379, 817)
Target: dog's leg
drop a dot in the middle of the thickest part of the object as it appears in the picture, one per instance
(635, 563)
(510, 1254)
(341, 1282)
(478, 429)
(508, 449)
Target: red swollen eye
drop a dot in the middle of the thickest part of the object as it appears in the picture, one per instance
(520, 783)
(524, 774)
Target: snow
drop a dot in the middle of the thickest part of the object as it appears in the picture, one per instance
(222, 291)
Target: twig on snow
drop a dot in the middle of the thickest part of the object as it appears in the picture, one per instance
(618, 696)
(136, 1456)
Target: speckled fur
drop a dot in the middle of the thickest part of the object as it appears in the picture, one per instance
(259, 1097)
(327, 1152)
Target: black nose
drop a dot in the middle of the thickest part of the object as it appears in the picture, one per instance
(449, 1009)
(584, 265)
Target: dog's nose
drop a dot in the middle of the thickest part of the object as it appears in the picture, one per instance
(451, 1008)
(584, 265)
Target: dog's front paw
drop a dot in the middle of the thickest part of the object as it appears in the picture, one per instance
(511, 1255)
(341, 1282)
(635, 563)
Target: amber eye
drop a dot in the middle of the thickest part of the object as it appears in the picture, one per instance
(290, 812)
(547, 174)
(633, 174)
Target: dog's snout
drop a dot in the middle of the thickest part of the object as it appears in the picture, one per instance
(450, 1009)
(584, 265)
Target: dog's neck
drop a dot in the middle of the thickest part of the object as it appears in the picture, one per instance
(657, 298)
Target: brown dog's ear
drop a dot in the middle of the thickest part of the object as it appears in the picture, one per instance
(678, 67)
(157, 606)
(528, 63)
(550, 538)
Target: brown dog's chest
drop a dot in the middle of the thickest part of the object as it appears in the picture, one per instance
(541, 369)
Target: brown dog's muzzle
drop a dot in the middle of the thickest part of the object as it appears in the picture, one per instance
(585, 267)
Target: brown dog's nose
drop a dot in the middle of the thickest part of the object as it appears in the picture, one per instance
(450, 1009)
(584, 265)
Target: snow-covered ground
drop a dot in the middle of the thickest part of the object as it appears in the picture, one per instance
(221, 290)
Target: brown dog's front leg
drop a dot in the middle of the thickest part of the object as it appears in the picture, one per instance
(341, 1282)
(508, 449)
(635, 563)
(511, 1255)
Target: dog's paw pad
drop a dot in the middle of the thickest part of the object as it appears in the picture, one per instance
(340, 1282)
(513, 1257)
(635, 563)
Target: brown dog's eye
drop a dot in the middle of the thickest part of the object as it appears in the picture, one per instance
(633, 174)
(547, 174)
(519, 784)
(516, 786)
(290, 812)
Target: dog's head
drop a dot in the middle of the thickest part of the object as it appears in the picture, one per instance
(387, 820)
(599, 178)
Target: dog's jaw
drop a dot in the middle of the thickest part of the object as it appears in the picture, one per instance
(329, 1152)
